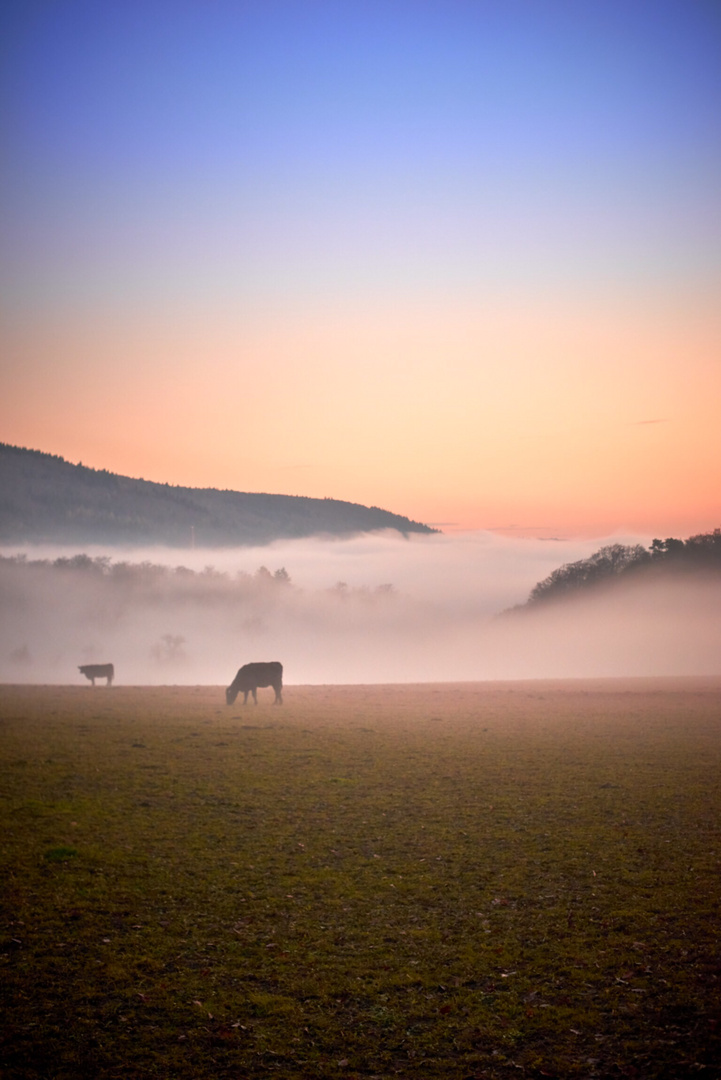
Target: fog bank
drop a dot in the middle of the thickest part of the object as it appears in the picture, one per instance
(371, 609)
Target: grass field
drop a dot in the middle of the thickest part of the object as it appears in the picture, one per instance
(481, 880)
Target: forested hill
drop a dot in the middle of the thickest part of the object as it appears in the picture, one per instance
(621, 562)
(44, 498)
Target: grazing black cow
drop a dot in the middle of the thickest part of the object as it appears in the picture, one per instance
(98, 671)
(251, 676)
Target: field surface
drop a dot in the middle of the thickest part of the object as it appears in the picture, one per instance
(442, 882)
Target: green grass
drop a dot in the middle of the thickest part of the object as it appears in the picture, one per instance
(443, 882)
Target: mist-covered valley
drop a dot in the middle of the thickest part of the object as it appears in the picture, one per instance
(373, 608)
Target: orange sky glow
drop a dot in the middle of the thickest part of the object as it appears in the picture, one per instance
(537, 420)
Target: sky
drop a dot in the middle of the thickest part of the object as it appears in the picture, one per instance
(459, 259)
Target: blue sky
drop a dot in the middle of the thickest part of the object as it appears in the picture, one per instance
(281, 147)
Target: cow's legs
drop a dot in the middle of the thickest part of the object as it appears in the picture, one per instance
(254, 692)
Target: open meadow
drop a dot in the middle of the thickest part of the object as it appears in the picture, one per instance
(440, 881)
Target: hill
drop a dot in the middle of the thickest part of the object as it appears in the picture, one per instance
(44, 498)
(617, 563)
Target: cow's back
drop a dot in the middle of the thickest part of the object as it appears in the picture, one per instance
(261, 674)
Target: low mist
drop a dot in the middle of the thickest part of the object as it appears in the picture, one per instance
(366, 610)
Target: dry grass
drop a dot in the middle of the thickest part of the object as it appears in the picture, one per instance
(443, 882)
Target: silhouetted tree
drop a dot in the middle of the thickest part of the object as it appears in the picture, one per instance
(704, 548)
(618, 560)
(665, 548)
(608, 562)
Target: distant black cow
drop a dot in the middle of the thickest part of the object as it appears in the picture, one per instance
(98, 671)
(251, 676)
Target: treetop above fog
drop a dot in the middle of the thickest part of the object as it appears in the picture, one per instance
(620, 561)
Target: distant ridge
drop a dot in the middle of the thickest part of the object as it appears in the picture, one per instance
(46, 499)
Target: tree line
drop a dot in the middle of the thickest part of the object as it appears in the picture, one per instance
(155, 581)
(620, 561)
